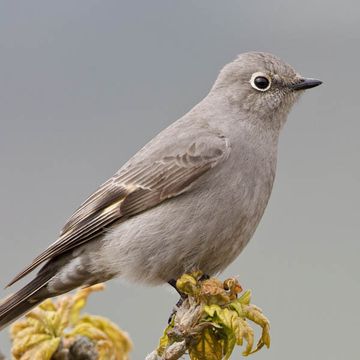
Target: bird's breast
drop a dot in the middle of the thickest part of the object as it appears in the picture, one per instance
(239, 193)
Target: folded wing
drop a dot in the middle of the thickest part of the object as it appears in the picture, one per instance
(135, 189)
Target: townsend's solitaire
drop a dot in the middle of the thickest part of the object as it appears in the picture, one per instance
(189, 200)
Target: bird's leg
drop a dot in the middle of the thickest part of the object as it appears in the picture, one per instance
(204, 277)
(172, 282)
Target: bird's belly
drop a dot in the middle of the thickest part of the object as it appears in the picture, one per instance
(203, 229)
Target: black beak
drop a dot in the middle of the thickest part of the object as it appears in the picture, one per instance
(304, 84)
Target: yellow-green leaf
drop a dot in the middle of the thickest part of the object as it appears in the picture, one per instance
(43, 351)
(79, 300)
(31, 344)
(38, 335)
(188, 285)
(207, 346)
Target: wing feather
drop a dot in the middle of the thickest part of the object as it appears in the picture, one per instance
(135, 189)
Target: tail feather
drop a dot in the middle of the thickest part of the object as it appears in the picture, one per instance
(25, 299)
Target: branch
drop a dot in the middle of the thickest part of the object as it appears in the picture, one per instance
(82, 348)
(173, 352)
(211, 321)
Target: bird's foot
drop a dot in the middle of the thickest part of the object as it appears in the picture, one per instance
(172, 282)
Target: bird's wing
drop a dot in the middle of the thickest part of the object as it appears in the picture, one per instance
(134, 189)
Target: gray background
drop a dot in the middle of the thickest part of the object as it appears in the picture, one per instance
(84, 84)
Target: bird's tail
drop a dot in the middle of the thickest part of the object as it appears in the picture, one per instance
(25, 299)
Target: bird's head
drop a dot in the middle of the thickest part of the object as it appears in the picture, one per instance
(262, 86)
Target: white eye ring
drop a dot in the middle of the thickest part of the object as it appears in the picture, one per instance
(256, 83)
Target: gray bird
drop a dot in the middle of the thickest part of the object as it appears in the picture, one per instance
(190, 199)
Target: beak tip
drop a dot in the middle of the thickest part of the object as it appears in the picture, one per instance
(304, 84)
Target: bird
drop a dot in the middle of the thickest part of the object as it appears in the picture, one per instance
(190, 199)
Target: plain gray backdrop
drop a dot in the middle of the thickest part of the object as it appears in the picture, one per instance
(84, 84)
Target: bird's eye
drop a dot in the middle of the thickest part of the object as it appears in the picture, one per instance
(260, 81)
